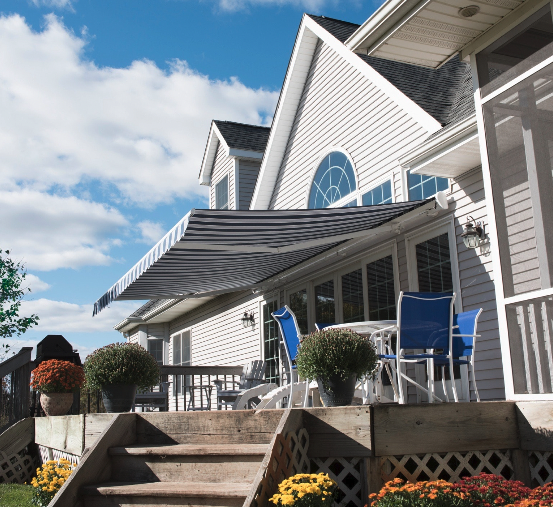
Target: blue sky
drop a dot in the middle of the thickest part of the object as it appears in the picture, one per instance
(106, 107)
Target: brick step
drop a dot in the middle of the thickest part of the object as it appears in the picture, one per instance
(160, 494)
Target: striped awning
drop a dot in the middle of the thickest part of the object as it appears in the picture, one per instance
(215, 251)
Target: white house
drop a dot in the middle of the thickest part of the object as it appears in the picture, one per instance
(425, 96)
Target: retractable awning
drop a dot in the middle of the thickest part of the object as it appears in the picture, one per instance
(215, 251)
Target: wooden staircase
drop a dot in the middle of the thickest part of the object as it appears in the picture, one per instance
(189, 474)
(170, 459)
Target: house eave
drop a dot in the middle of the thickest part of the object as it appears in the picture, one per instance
(448, 154)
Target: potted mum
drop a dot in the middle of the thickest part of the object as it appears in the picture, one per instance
(336, 358)
(118, 370)
(56, 381)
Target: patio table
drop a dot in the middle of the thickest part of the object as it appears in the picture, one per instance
(372, 390)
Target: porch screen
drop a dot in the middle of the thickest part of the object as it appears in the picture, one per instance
(382, 296)
(324, 303)
(352, 297)
(298, 304)
(271, 343)
(434, 265)
(181, 357)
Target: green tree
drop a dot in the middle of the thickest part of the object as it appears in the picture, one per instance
(12, 275)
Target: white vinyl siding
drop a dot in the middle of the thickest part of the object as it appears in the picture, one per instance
(341, 108)
(248, 171)
(222, 166)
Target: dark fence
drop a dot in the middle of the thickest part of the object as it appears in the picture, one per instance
(15, 374)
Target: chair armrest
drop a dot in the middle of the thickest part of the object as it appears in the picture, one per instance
(219, 383)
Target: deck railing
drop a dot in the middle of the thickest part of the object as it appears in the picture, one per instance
(15, 375)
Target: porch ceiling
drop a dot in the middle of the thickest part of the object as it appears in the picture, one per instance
(428, 32)
(210, 252)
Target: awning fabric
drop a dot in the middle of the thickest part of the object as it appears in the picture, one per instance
(215, 251)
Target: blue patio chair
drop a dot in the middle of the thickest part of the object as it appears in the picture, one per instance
(464, 343)
(290, 336)
(425, 322)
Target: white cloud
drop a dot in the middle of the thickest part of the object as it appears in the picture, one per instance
(54, 4)
(35, 283)
(59, 317)
(66, 121)
(150, 232)
(48, 231)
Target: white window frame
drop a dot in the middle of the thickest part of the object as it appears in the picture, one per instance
(332, 275)
(172, 338)
(163, 345)
(377, 183)
(405, 185)
(425, 233)
(267, 299)
(308, 286)
(226, 175)
(338, 289)
(344, 200)
(384, 250)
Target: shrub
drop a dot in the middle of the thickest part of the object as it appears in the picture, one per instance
(306, 490)
(56, 376)
(420, 494)
(121, 363)
(488, 489)
(49, 479)
(335, 352)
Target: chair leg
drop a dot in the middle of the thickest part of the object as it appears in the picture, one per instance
(393, 379)
(306, 397)
(444, 385)
(400, 383)
(430, 371)
(474, 383)
(453, 385)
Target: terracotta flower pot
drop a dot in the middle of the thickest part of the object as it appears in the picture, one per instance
(56, 403)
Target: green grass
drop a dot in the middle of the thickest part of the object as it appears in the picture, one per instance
(16, 495)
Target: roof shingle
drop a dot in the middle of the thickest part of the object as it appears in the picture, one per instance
(241, 136)
(444, 93)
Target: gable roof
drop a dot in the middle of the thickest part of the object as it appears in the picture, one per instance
(242, 136)
(238, 139)
(434, 90)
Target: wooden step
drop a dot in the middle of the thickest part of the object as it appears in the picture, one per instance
(191, 450)
(160, 494)
(205, 463)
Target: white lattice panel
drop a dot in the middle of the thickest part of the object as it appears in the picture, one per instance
(347, 473)
(451, 466)
(299, 444)
(47, 453)
(17, 468)
(541, 467)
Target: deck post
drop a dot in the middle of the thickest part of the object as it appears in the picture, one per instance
(521, 466)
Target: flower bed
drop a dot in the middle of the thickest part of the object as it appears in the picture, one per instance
(306, 490)
(49, 479)
(485, 490)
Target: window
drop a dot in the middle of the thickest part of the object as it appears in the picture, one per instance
(324, 303)
(181, 357)
(352, 297)
(221, 194)
(271, 343)
(155, 347)
(334, 180)
(434, 265)
(381, 290)
(298, 304)
(422, 187)
(379, 195)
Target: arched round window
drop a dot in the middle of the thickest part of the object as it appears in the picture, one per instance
(334, 180)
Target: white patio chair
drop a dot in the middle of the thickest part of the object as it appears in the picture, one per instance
(252, 376)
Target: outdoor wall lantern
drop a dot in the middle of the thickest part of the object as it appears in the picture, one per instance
(248, 319)
(472, 234)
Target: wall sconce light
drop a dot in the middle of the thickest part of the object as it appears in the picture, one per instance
(248, 319)
(472, 234)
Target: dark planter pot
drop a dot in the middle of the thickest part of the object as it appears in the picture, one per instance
(118, 397)
(339, 393)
